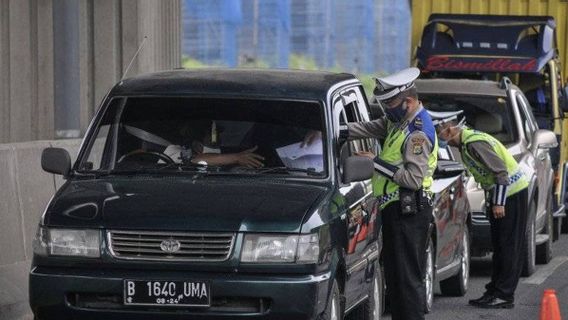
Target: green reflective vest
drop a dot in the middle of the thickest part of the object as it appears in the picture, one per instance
(384, 188)
(484, 176)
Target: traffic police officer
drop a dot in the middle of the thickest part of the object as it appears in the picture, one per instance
(402, 185)
(506, 187)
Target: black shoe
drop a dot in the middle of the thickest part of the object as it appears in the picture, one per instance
(496, 303)
(484, 299)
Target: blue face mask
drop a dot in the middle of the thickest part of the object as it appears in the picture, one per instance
(442, 143)
(396, 114)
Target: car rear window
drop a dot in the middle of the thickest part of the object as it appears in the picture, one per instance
(490, 114)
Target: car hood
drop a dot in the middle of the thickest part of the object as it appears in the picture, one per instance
(183, 204)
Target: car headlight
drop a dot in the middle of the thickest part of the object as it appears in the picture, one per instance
(67, 242)
(262, 248)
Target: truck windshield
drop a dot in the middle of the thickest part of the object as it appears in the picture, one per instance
(212, 135)
(490, 114)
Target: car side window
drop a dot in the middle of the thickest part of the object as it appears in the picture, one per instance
(526, 121)
(369, 144)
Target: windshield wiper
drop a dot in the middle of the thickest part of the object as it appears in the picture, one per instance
(309, 171)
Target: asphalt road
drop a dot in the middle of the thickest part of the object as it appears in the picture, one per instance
(528, 297)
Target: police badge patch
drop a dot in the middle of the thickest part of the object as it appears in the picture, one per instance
(417, 143)
(417, 149)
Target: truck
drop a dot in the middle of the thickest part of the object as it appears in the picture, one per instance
(491, 47)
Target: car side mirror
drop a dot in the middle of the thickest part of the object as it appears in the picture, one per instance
(357, 168)
(448, 168)
(56, 160)
(543, 139)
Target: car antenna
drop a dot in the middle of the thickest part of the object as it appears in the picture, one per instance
(134, 57)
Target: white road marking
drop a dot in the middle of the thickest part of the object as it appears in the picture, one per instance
(545, 271)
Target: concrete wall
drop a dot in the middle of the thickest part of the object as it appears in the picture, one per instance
(25, 190)
(59, 58)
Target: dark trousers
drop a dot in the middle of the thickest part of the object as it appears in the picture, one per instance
(404, 254)
(507, 237)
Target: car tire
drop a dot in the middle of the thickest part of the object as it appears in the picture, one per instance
(529, 244)
(457, 285)
(544, 251)
(372, 308)
(333, 309)
(429, 277)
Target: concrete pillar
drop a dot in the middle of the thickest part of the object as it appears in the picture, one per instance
(21, 73)
(92, 45)
(4, 71)
(67, 72)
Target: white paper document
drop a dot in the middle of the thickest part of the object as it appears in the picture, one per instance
(294, 156)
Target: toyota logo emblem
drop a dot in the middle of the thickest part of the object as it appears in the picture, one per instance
(170, 246)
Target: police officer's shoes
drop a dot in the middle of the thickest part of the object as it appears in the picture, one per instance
(484, 298)
(495, 303)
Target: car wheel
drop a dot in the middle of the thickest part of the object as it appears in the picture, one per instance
(333, 309)
(429, 276)
(372, 308)
(457, 285)
(544, 251)
(529, 245)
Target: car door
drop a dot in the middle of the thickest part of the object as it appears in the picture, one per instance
(361, 216)
(450, 209)
(542, 160)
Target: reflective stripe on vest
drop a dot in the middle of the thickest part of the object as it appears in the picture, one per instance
(482, 175)
(384, 188)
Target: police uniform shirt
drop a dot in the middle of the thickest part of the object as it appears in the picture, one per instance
(417, 147)
(484, 153)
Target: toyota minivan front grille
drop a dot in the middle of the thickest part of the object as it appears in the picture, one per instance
(170, 246)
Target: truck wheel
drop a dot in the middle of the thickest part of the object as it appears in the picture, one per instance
(457, 285)
(372, 309)
(544, 251)
(333, 308)
(429, 276)
(529, 245)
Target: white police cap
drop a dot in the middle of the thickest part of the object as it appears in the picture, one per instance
(396, 83)
(439, 118)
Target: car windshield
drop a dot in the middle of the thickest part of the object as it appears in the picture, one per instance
(490, 114)
(211, 135)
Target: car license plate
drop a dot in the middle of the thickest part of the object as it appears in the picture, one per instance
(167, 293)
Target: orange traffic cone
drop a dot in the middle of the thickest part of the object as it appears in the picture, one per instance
(549, 309)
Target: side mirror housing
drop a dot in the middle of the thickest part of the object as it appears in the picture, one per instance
(56, 160)
(543, 139)
(357, 168)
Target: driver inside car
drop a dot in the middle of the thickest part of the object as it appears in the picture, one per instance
(200, 145)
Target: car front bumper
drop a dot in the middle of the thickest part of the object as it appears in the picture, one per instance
(69, 293)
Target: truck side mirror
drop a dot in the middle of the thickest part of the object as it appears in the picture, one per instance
(564, 99)
(56, 160)
(543, 139)
(357, 168)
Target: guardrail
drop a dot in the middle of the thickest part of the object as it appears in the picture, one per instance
(25, 190)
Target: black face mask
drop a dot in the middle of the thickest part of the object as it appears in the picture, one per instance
(397, 114)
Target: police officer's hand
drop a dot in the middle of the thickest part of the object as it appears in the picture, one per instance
(249, 159)
(498, 212)
(365, 154)
(310, 137)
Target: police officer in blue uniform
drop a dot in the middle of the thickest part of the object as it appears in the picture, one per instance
(402, 185)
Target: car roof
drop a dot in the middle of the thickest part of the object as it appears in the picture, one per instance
(277, 83)
(461, 86)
